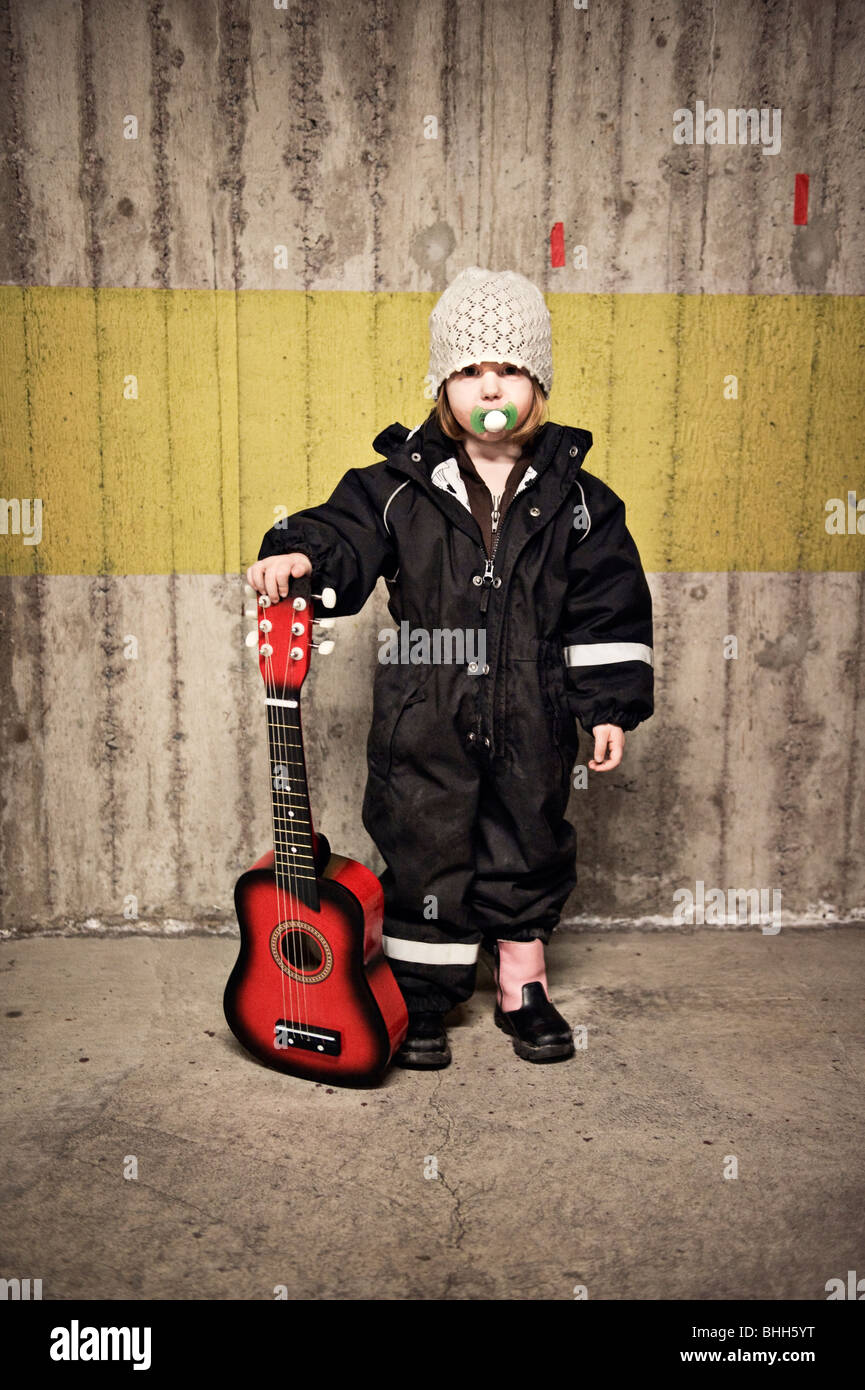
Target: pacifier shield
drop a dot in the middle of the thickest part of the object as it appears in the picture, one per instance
(489, 421)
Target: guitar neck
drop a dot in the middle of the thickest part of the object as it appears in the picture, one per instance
(294, 863)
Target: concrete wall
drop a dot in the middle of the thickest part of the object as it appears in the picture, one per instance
(139, 781)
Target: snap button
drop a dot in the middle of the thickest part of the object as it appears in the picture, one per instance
(573, 451)
(416, 458)
(477, 579)
(473, 665)
(487, 742)
(470, 738)
(497, 581)
(486, 672)
(534, 511)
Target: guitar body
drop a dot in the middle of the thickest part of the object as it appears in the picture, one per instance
(343, 1028)
(311, 992)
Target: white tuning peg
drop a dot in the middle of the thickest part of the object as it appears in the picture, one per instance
(327, 596)
(251, 638)
(326, 647)
(324, 622)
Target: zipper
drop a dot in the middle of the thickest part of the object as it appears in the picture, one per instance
(490, 565)
(488, 580)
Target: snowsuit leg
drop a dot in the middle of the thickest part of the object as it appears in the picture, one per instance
(491, 852)
(423, 831)
(525, 855)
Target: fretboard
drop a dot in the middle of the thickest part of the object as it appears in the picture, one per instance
(292, 823)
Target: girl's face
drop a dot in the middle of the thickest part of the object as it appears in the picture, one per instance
(489, 385)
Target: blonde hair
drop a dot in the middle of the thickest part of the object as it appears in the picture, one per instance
(536, 417)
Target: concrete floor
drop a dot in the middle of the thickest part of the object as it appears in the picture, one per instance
(605, 1171)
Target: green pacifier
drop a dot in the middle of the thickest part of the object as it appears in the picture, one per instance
(489, 421)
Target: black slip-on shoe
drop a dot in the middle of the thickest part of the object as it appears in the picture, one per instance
(425, 1044)
(538, 1031)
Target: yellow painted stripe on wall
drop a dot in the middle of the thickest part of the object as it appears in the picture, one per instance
(161, 429)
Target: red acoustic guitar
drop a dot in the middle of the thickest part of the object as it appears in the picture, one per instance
(311, 992)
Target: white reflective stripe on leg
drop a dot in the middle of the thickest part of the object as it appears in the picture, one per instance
(430, 952)
(599, 653)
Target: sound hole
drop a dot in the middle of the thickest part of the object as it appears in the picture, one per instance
(302, 951)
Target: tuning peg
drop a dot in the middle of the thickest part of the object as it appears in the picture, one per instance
(324, 622)
(324, 648)
(327, 596)
(251, 638)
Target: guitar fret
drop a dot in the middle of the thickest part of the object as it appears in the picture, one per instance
(294, 860)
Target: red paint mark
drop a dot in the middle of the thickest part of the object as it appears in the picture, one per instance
(557, 244)
(800, 201)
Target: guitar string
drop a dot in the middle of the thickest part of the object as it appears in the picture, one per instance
(297, 748)
(273, 754)
(290, 724)
(286, 898)
(290, 745)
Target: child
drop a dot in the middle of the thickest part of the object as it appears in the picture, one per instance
(484, 527)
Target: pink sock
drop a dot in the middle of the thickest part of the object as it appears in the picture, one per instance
(520, 962)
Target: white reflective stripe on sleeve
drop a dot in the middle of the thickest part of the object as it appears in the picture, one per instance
(430, 952)
(599, 653)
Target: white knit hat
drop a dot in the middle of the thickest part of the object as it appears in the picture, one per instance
(490, 316)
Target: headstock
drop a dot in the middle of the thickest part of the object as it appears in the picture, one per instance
(285, 636)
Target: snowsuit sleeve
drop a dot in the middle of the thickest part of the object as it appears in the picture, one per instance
(607, 619)
(344, 537)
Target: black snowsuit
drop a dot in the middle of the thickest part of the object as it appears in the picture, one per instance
(469, 761)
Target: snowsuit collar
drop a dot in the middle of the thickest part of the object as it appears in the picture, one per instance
(558, 453)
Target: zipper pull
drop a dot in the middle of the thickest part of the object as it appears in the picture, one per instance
(497, 497)
(487, 585)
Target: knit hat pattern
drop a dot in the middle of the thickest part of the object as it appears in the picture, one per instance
(490, 316)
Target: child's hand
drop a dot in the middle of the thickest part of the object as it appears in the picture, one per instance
(607, 735)
(271, 576)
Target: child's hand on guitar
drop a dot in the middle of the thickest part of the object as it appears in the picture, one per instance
(271, 576)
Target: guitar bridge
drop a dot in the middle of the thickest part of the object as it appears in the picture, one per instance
(307, 1037)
